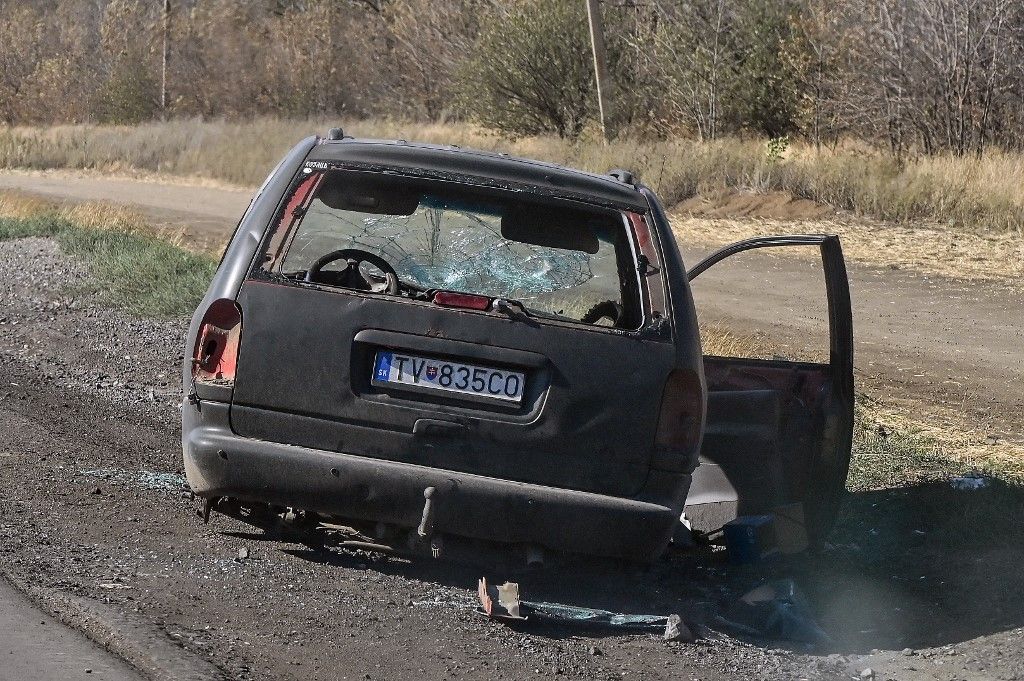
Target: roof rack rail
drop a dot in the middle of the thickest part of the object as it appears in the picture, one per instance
(623, 176)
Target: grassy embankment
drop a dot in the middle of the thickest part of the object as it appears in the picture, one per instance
(131, 264)
(972, 193)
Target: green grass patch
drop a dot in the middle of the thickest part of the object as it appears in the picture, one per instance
(901, 486)
(888, 456)
(134, 271)
(883, 458)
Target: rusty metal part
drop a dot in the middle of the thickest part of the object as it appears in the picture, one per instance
(208, 504)
(501, 601)
(426, 527)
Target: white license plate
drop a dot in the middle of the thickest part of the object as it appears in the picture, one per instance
(397, 368)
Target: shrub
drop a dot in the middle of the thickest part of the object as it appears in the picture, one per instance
(531, 72)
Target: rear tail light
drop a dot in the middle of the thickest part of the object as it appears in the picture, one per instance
(466, 301)
(215, 357)
(681, 421)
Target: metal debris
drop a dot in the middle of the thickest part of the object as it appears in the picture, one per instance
(676, 630)
(502, 602)
(970, 482)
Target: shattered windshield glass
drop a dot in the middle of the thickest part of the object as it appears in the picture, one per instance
(552, 260)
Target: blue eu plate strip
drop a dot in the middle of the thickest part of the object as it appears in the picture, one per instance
(383, 368)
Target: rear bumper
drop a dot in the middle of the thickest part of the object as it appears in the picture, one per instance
(219, 463)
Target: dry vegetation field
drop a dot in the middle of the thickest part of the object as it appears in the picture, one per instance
(965, 193)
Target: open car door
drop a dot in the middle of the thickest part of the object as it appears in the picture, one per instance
(779, 432)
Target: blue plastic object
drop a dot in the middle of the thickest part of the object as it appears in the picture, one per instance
(749, 538)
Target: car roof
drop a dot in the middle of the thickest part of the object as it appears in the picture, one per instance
(493, 169)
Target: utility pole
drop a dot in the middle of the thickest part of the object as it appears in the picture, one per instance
(164, 56)
(601, 77)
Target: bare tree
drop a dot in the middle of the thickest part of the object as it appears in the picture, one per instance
(916, 76)
(694, 51)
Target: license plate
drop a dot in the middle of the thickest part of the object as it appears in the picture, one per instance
(429, 374)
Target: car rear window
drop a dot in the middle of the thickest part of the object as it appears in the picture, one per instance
(557, 259)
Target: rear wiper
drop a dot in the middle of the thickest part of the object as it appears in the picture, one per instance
(514, 308)
(508, 306)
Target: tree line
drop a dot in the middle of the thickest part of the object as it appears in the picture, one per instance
(922, 76)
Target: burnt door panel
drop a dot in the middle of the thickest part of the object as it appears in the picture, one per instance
(779, 431)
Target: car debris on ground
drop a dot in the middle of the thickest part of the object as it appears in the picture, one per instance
(775, 610)
(502, 602)
(970, 482)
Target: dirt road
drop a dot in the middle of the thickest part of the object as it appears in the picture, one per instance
(204, 211)
(949, 349)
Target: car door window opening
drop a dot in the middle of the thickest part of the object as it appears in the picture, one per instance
(388, 234)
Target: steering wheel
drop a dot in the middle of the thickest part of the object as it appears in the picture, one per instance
(606, 309)
(351, 277)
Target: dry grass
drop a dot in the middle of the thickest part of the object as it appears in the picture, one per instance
(919, 445)
(974, 193)
(90, 214)
(986, 256)
(717, 339)
(100, 215)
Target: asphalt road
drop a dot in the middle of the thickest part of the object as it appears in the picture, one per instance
(949, 348)
(36, 647)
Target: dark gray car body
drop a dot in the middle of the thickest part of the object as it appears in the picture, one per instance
(574, 468)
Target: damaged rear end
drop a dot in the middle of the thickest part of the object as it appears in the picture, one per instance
(438, 346)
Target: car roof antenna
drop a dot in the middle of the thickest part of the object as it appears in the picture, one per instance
(335, 134)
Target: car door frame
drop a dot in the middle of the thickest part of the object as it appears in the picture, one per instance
(828, 477)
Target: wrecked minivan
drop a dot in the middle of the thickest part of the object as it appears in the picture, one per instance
(449, 349)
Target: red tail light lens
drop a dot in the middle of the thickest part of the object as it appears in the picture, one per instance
(215, 357)
(681, 421)
(466, 301)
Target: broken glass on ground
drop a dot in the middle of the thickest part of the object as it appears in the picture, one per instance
(152, 480)
(502, 602)
(970, 482)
